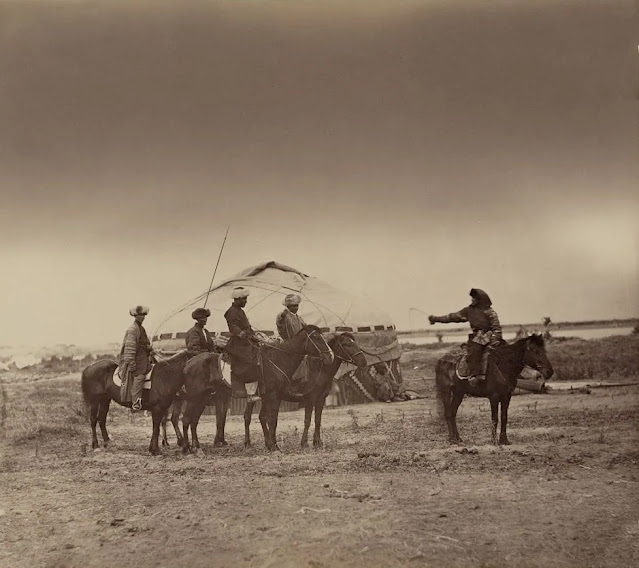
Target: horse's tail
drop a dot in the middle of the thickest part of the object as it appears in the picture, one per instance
(444, 381)
(95, 377)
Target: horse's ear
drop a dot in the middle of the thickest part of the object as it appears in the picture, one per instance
(537, 339)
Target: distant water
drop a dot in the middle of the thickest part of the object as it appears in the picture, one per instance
(594, 333)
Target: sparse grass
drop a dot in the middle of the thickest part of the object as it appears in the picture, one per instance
(600, 359)
(44, 411)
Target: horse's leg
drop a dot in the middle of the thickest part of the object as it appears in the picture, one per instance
(503, 437)
(176, 409)
(157, 412)
(248, 413)
(264, 409)
(195, 419)
(221, 409)
(273, 414)
(451, 401)
(102, 416)
(494, 416)
(186, 422)
(308, 413)
(319, 408)
(165, 441)
(95, 407)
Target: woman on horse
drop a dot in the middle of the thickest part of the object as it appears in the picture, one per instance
(486, 331)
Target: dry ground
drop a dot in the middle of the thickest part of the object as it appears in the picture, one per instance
(387, 490)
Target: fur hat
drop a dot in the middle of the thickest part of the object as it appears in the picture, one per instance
(292, 300)
(199, 313)
(240, 292)
(139, 311)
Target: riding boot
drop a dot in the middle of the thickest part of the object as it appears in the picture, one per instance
(476, 380)
(136, 392)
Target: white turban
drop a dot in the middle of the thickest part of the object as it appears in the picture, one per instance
(139, 311)
(240, 292)
(292, 300)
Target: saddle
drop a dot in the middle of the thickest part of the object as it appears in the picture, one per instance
(239, 388)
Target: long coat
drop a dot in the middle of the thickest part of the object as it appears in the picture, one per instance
(198, 341)
(288, 324)
(134, 357)
(241, 350)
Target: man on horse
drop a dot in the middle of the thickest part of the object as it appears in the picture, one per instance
(486, 332)
(197, 338)
(242, 347)
(288, 323)
(136, 359)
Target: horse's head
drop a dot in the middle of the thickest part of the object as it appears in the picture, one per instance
(535, 355)
(315, 345)
(346, 348)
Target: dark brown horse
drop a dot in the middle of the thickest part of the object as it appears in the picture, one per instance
(99, 389)
(203, 384)
(314, 389)
(504, 366)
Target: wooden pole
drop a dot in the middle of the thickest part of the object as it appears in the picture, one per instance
(216, 265)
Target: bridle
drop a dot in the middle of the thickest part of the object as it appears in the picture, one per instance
(308, 338)
(350, 357)
(321, 352)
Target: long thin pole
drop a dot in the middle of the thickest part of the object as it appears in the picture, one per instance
(216, 265)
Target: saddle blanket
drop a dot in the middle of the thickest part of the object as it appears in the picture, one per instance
(147, 379)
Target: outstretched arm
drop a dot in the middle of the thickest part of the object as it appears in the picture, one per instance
(455, 317)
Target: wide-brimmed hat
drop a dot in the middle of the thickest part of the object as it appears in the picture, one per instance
(292, 300)
(139, 311)
(199, 313)
(240, 292)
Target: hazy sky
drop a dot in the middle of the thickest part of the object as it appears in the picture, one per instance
(406, 151)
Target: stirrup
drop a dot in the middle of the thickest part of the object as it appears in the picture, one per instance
(137, 405)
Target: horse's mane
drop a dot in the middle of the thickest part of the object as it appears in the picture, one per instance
(173, 359)
(309, 328)
(505, 347)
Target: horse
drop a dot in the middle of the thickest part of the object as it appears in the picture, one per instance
(316, 387)
(203, 383)
(278, 362)
(99, 389)
(505, 363)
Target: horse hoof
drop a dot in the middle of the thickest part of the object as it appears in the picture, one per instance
(504, 441)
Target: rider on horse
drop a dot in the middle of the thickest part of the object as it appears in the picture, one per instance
(135, 359)
(197, 338)
(243, 345)
(486, 332)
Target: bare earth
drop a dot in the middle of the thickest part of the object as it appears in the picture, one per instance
(387, 490)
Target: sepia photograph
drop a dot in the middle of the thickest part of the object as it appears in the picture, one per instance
(319, 283)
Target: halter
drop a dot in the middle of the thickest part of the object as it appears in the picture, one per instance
(350, 357)
(308, 338)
